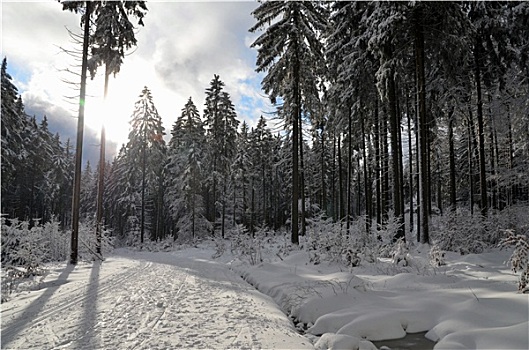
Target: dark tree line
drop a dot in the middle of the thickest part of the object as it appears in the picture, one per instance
(387, 109)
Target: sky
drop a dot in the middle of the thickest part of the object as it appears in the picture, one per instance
(180, 47)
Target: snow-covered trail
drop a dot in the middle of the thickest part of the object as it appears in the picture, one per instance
(138, 300)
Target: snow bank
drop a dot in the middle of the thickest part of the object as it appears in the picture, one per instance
(471, 303)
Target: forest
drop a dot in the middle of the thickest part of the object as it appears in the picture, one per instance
(410, 114)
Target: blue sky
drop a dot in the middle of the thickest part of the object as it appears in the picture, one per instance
(179, 49)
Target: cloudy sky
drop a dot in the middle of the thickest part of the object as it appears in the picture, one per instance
(179, 49)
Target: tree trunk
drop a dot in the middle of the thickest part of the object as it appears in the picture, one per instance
(333, 180)
(453, 200)
(295, 160)
(423, 128)
(349, 170)
(385, 166)
(410, 159)
(340, 181)
(143, 170)
(367, 187)
(323, 199)
(378, 182)
(302, 179)
(79, 146)
(395, 146)
(493, 156)
(481, 136)
(470, 123)
(101, 177)
(510, 193)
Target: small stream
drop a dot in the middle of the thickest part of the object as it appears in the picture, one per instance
(412, 341)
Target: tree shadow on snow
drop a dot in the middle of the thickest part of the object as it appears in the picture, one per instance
(34, 308)
(88, 339)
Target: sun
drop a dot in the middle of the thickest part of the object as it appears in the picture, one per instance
(113, 113)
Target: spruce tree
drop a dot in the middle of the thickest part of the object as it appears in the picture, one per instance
(221, 134)
(145, 159)
(291, 53)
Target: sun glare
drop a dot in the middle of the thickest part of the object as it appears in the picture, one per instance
(110, 113)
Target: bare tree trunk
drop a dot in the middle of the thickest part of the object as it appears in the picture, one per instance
(349, 170)
(333, 180)
(302, 179)
(385, 166)
(367, 186)
(79, 147)
(101, 178)
(143, 170)
(410, 159)
(323, 197)
(378, 182)
(481, 136)
(453, 200)
(395, 146)
(470, 162)
(424, 185)
(340, 180)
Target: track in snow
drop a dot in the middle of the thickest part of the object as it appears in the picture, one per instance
(159, 301)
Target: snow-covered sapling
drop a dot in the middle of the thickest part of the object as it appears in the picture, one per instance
(437, 256)
(519, 259)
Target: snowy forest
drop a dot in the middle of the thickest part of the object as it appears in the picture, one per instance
(384, 197)
(410, 114)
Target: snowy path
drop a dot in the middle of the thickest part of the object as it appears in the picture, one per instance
(146, 301)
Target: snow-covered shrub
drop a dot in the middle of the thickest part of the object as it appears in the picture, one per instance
(514, 218)
(23, 246)
(220, 247)
(519, 259)
(463, 233)
(244, 246)
(327, 240)
(401, 255)
(88, 241)
(437, 256)
(58, 241)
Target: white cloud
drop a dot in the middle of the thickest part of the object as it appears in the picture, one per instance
(179, 49)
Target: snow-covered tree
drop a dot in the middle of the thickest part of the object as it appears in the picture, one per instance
(291, 53)
(221, 135)
(184, 174)
(144, 163)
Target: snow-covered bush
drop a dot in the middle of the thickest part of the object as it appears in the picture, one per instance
(463, 233)
(244, 246)
(88, 241)
(401, 255)
(519, 259)
(332, 242)
(437, 256)
(384, 244)
(23, 246)
(326, 240)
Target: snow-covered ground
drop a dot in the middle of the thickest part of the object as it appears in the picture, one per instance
(141, 300)
(187, 299)
(471, 303)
